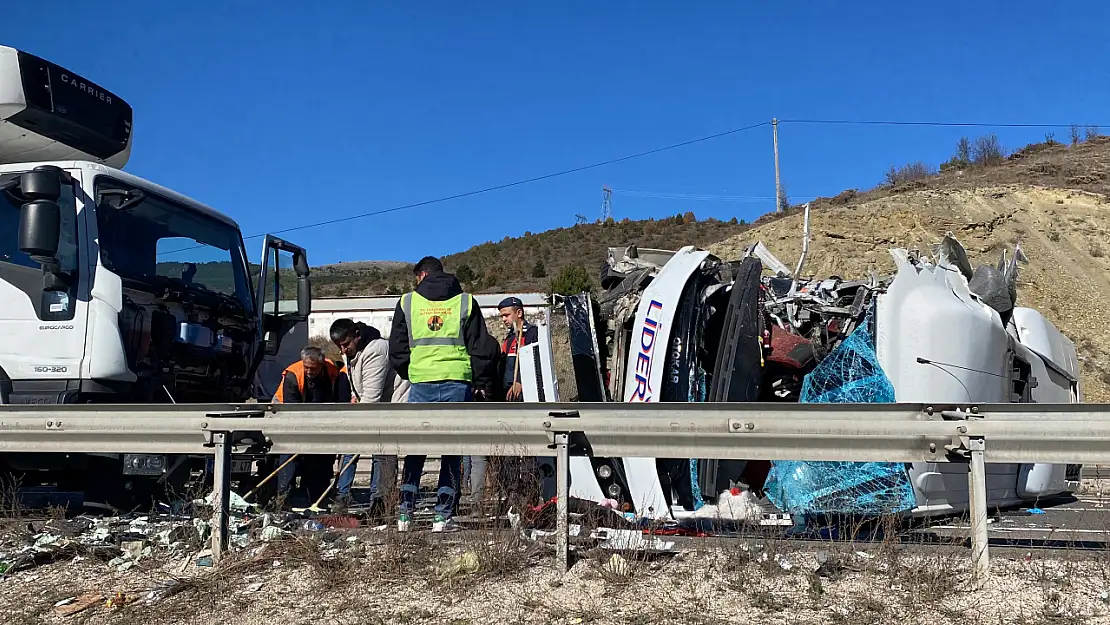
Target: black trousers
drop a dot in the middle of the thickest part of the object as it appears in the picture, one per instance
(316, 474)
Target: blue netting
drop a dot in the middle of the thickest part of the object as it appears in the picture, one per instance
(850, 374)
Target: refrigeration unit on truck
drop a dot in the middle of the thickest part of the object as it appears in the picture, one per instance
(114, 289)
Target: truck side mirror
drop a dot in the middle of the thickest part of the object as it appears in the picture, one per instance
(40, 218)
(304, 297)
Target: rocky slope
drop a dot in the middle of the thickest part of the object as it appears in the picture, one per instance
(1065, 233)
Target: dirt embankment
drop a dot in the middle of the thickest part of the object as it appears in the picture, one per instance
(1065, 234)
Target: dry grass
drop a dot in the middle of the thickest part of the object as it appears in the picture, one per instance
(868, 573)
(496, 576)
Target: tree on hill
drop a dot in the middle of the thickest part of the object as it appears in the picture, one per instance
(465, 274)
(572, 280)
(962, 158)
(538, 270)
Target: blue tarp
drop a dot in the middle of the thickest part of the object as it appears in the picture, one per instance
(850, 374)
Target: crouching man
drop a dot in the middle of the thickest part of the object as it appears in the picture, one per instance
(311, 380)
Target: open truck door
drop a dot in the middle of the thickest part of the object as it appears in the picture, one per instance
(284, 272)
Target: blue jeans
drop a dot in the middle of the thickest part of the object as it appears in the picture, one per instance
(450, 467)
(383, 477)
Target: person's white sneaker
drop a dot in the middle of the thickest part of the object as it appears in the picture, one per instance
(441, 524)
(404, 523)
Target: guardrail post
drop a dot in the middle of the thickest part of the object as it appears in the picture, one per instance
(562, 508)
(977, 489)
(221, 482)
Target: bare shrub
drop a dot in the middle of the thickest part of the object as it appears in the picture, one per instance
(844, 197)
(987, 150)
(1075, 136)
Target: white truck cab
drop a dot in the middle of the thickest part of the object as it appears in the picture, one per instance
(114, 289)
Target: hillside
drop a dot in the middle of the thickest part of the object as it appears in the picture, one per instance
(1054, 198)
(528, 262)
(1064, 233)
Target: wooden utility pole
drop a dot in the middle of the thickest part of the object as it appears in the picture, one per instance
(778, 185)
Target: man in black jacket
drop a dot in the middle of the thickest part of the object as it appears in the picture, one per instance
(439, 343)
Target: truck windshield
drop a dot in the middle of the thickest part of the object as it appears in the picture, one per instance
(159, 241)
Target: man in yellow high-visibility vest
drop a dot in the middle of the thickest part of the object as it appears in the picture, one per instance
(439, 342)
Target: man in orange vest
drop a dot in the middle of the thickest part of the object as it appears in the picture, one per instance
(311, 380)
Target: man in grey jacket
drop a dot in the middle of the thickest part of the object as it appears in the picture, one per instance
(373, 379)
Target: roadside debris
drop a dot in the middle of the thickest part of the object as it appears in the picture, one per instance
(631, 540)
(732, 505)
(466, 563)
(163, 590)
(75, 605)
(124, 542)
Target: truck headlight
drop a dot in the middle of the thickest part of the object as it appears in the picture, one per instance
(604, 471)
(144, 464)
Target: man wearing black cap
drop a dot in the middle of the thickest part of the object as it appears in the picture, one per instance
(512, 315)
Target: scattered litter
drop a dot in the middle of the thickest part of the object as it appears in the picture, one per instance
(204, 558)
(1104, 596)
(340, 521)
(252, 588)
(164, 589)
(783, 562)
(79, 604)
(829, 567)
(271, 532)
(237, 505)
(65, 602)
(133, 549)
(119, 599)
(466, 563)
(1036, 511)
(618, 566)
(732, 505)
(630, 540)
(44, 542)
(864, 555)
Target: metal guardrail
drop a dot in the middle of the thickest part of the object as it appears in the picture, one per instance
(1002, 433)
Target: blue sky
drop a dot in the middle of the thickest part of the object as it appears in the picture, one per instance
(286, 113)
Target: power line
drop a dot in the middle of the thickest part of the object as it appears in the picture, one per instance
(696, 197)
(518, 183)
(881, 122)
(629, 157)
